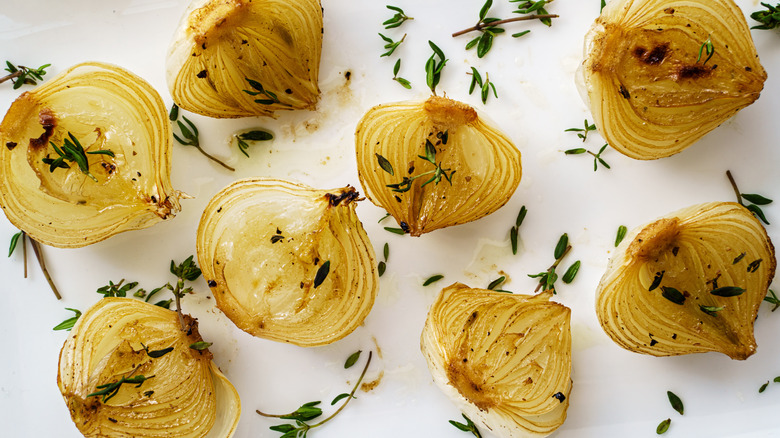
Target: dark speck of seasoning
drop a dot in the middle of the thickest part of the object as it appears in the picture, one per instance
(653, 57)
(653, 342)
(212, 283)
(624, 92)
(10, 145)
(669, 10)
(674, 336)
(288, 91)
(111, 420)
(465, 360)
(404, 226)
(559, 396)
(397, 198)
(219, 210)
(748, 69)
(203, 46)
(675, 250)
(202, 74)
(244, 42)
(348, 75)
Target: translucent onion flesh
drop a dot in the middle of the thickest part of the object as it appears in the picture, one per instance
(104, 107)
(504, 359)
(261, 243)
(221, 43)
(485, 163)
(651, 89)
(187, 397)
(698, 249)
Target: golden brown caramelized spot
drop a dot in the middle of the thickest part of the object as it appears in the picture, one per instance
(652, 57)
(448, 114)
(191, 330)
(655, 239)
(207, 22)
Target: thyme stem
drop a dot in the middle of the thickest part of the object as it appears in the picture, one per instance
(178, 309)
(11, 76)
(481, 25)
(39, 255)
(736, 189)
(351, 394)
(555, 265)
(215, 159)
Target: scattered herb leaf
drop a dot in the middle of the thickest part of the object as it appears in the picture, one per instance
(469, 426)
(675, 401)
(621, 234)
(70, 322)
(352, 359)
(433, 279)
(322, 273)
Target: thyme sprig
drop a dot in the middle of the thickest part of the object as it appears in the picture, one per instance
(548, 278)
(70, 322)
(391, 45)
(514, 230)
(754, 199)
(596, 156)
(708, 49)
(434, 67)
(469, 426)
(769, 18)
(489, 27)
(109, 390)
(185, 271)
(38, 250)
(484, 86)
(72, 151)
(309, 411)
(437, 173)
(20, 75)
(254, 135)
(404, 82)
(583, 132)
(191, 137)
(397, 19)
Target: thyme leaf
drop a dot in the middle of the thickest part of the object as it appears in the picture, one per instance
(484, 86)
(322, 274)
(663, 426)
(675, 401)
(432, 279)
(673, 295)
(70, 322)
(596, 156)
(255, 135)
(469, 426)
(621, 234)
(14, 241)
(772, 299)
(109, 390)
(391, 45)
(201, 345)
(404, 82)
(583, 132)
(352, 359)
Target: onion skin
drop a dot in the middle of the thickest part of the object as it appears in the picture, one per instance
(648, 94)
(486, 163)
(65, 208)
(189, 396)
(692, 247)
(221, 43)
(261, 244)
(504, 359)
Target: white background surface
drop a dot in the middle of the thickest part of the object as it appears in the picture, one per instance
(616, 393)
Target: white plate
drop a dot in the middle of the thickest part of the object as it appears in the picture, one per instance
(616, 393)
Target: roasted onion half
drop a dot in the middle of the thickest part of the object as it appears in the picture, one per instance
(434, 164)
(660, 74)
(504, 359)
(102, 107)
(270, 48)
(168, 389)
(287, 262)
(689, 282)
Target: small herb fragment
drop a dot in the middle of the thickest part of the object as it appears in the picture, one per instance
(391, 45)
(72, 151)
(436, 174)
(201, 345)
(728, 291)
(469, 426)
(763, 387)
(711, 310)
(433, 279)
(322, 274)
(395, 230)
(514, 230)
(484, 86)
(269, 97)
(772, 299)
(14, 241)
(396, 20)
(154, 354)
(497, 282)
(675, 401)
(663, 426)
(673, 295)
(659, 276)
(596, 156)
(404, 82)
(255, 135)
(352, 359)
(70, 322)
(621, 234)
(548, 278)
(568, 277)
(109, 390)
(708, 49)
(20, 75)
(583, 132)
(434, 67)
